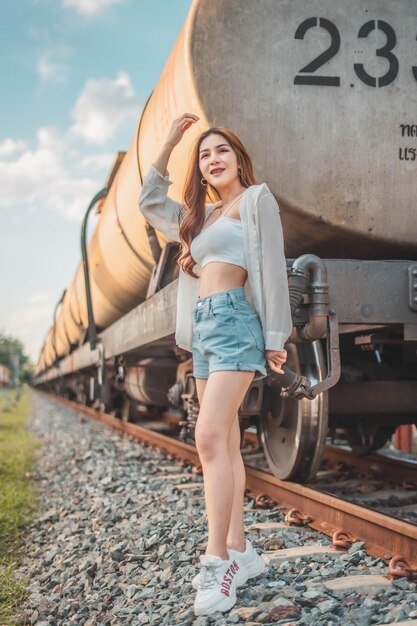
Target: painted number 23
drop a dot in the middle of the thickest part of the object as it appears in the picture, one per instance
(307, 77)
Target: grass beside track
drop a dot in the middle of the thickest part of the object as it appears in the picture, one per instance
(18, 499)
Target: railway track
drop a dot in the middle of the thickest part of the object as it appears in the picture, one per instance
(383, 535)
(377, 463)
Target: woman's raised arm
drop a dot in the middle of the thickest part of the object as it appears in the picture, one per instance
(159, 210)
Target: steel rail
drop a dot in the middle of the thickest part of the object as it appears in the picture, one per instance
(383, 535)
(395, 469)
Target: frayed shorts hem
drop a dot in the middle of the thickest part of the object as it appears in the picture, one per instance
(260, 372)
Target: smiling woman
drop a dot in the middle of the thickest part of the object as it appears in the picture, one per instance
(230, 341)
(307, 95)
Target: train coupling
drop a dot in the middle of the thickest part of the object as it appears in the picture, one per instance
(297, 386)
(292, 385)
(300, 388)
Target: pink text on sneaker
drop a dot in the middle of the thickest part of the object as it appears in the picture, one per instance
(228, 577)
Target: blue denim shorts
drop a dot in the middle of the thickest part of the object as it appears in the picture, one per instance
(227, 335)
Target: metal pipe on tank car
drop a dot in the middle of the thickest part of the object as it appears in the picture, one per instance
(55, 312)
(299, 284)
(92, 331)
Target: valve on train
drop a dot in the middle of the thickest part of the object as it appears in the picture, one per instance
(292, 385)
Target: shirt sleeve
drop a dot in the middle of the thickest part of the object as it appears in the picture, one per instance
(278, 321)
(159, 210)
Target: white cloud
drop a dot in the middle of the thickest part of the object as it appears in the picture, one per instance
(103, 107)
(50, 71)
(58, 173)
(89, 7)
(42, 178)
(53, 64)
(30, 323)
(8, 147)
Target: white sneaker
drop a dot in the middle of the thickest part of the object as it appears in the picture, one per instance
(250, 559)
(217, 585)
(253, 564)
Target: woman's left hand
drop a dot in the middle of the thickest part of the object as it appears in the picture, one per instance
(276, 358)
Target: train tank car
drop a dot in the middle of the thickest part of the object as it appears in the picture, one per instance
(322, 96)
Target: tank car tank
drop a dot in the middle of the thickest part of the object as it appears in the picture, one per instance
(322, 95)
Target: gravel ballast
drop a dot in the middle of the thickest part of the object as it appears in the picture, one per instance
(118, 536)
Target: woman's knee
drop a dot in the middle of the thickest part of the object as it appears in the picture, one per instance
(210, 441)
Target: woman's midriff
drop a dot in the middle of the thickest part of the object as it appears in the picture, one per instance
(218, 276)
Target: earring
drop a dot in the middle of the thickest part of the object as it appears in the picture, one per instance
(204, 183)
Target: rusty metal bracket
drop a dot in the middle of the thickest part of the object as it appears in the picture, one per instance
(333, 357)
(263, 501)
(400, 567)
(343, 539)
(294, 517)
(299, 387)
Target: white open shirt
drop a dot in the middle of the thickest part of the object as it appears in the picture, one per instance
(266, 287)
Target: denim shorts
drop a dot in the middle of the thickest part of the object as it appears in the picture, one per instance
(227, 335)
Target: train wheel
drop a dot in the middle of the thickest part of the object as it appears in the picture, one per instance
(294, 431)
(366, 438)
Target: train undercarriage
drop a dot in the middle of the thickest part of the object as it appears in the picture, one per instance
(352, 367)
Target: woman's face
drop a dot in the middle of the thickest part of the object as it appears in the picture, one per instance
(217, 153)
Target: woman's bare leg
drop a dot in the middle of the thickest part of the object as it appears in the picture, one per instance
(236, 533)
(223, 394)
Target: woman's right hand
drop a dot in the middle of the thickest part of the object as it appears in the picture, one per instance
(179, 126)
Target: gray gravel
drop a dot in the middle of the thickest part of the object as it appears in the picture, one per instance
(116, 543)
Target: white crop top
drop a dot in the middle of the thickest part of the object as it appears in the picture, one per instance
(220, 241)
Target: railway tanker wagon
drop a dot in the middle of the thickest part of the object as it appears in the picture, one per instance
(324, 96)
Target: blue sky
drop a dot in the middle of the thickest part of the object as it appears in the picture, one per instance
(75, 77)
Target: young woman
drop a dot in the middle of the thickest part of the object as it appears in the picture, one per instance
(233, 314)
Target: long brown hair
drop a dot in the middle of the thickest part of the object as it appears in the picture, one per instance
(194, 195)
